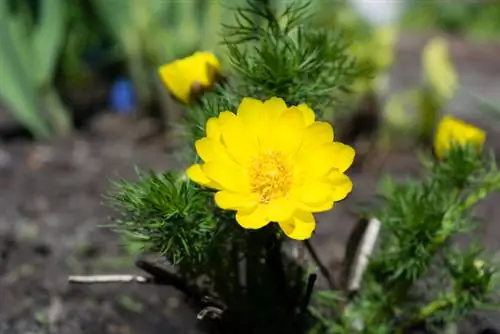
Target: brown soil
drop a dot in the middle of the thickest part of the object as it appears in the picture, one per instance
(52, 207)
(51, 210)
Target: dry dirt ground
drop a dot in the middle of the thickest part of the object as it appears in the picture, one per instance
(51, 208)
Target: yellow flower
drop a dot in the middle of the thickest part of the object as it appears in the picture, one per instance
(182, 75)
(452, 130)
(273, 163)
(438, 69)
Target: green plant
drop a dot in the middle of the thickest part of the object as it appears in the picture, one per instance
(477, 20)
(84, 35)
(28, 54)
(240, 275)
(417, 275)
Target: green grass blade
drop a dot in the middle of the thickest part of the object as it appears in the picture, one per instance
(48, 38)
(16, 87)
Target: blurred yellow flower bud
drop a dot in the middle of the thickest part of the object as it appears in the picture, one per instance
(190, 76)
(438, 69)
(453, 130)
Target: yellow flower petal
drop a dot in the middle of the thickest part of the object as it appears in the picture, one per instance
(316, 134)
(210, 149)
(241, 145)
(252, 219)
(251, 112)
(195, 173)
(177, 83)
(274, 107)
(300, 226)
(452, 130)
(249, 108)
(341, 185)
(280, 209)
(200, 67)
(287, 133)
(307, 113)
(230, 176)
(205, 149)
(342, 156)
(235, 201)
(209, 58)
(212, 128)
(320, 161)
(314, 196)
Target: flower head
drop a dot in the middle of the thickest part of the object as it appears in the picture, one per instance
(438, 69)
(451, 130)
(184, 76)
(273, 163)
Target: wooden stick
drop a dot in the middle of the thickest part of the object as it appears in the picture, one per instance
(212, 311)
(98, 279)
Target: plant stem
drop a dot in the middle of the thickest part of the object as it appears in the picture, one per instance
(322, 268)
(430, 105)
(140, 78)
(427, 311)
(59, 115)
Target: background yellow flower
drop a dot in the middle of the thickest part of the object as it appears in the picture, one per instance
(438, 69)
(179, 76)
(273, 163)
(453, 130)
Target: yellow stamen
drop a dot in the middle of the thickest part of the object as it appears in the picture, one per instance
(271, 176)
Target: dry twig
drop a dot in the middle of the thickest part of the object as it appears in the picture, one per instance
(98, 279)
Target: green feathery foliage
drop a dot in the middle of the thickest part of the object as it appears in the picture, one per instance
(417, 276)
(272, 55)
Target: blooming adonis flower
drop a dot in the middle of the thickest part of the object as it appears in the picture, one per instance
(453, 130)
(183, 75)
(438, 69)
(273, 163)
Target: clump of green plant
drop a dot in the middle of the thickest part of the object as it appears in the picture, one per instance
(233, 266)
(263, 163)
(417, 276)
(29, 52)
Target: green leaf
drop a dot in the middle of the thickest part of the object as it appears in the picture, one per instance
(16, 87)
(48, 38)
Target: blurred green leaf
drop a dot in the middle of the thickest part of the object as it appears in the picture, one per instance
(16, 87)
(48, 38)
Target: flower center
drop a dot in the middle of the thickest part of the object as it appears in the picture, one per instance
(270, 176)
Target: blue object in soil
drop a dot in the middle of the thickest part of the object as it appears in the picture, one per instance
(122, 99)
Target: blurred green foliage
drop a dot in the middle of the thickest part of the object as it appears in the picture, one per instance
(152, 32)
(473, 19)
(45, 39)
(70, 42)
(29, 51)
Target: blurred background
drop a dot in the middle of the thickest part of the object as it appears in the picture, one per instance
(81, 103)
